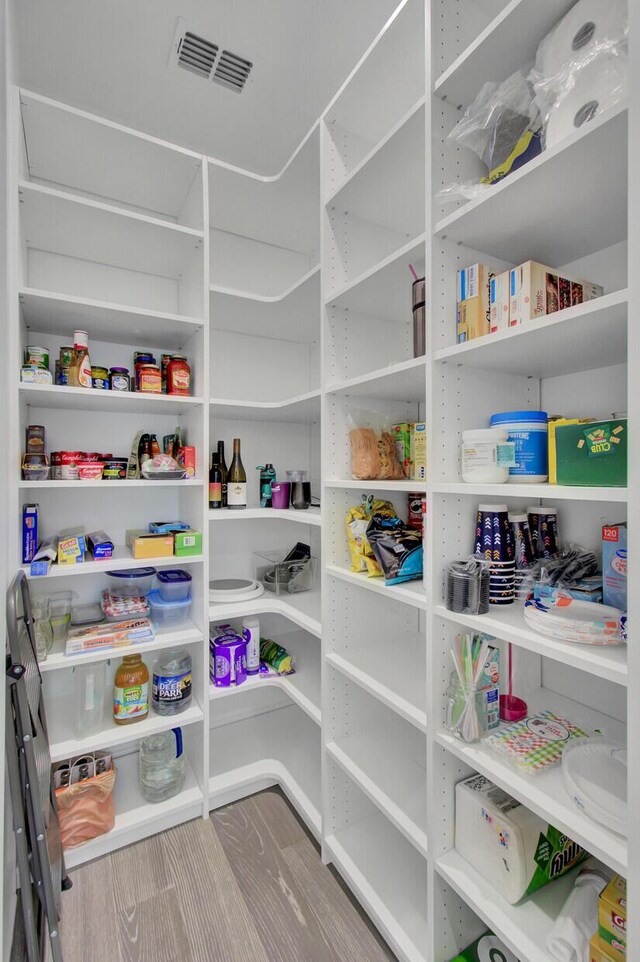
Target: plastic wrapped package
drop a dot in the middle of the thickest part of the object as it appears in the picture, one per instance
(86, 809)
(357, 521)
(397, 547)
(373, 449)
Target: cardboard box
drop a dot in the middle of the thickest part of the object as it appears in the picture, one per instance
(419, 451)
(187, 543)
(72, 545)
(599, 951)
(499, 302)
(167, 527)
(402, 437)
(141, 544)
(472, 302)
(612, 918)
(536, 290)
(552, 424)
(100, 545)
(187, 458)
(44, 557)
(593, 454)
(614, 565)
(29, 533)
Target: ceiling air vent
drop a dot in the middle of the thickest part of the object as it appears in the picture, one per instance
(232, 71)
(197, 54)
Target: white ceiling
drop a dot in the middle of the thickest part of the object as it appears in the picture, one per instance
(111, 57)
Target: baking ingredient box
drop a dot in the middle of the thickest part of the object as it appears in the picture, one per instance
(419, 451)
(472, 302)
(536, 290)
(499, 302)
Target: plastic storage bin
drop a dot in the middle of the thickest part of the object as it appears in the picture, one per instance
(131, 583)
(280, 576)
(174, 584)
(168, 614)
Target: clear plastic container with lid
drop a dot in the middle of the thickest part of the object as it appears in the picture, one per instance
(174, 584)
(487, 455)
(131, 583)
(168, 614)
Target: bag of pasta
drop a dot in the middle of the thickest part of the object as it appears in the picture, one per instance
(358, 518)
(373, 450)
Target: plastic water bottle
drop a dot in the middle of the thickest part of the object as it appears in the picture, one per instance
(171, 693)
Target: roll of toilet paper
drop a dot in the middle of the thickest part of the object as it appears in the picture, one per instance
(588, 25)
(597, 87)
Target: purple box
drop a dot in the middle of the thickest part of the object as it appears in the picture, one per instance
(227, 658)
(29, 533)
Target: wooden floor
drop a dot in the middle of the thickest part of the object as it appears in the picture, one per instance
(246, 885)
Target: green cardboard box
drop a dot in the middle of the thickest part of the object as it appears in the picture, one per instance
(488, 946)
(593, 454)
(187, 543)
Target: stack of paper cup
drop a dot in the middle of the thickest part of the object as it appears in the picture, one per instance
(494, 543)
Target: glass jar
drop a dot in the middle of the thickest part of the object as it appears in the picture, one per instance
(42, 627)
(119, 378)
(161, 766)
(178, 376)
(466, 716)
(171, 693)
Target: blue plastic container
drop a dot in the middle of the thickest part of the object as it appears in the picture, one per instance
(528, 431)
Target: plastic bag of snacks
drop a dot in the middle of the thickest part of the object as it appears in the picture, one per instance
(397, 547)
(358, 518)
(373, 450)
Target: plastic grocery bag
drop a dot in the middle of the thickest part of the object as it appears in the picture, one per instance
(86, 809)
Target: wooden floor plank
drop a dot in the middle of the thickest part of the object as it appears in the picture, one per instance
(287, 925)
(89, 917)
(217, 921)
(152, 930)
(134, 884)
(278, 816)
(339, 918)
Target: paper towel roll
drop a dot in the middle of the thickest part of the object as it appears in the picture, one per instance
(587, 24)
(597, 87)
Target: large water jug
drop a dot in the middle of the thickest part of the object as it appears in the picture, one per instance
(162, 768)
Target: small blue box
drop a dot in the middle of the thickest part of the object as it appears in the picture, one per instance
(167, 527)
(29, 533)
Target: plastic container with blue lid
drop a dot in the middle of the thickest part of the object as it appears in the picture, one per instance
(131, 582)
(528, 431)
(168, 614)
(174, 584)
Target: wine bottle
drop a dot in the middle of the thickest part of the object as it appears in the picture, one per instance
(223, 470)
(236, 480)
(215, 482)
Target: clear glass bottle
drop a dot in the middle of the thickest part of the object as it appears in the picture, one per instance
(236, 480)
(42, 627)
(161, 766)
(171, 692)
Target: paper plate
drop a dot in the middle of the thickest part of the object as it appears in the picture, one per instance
(594, 772)
(234, 589)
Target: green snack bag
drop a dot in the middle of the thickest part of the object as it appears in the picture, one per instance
(276, 656)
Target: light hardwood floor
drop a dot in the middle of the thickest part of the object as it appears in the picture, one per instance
(246, 885)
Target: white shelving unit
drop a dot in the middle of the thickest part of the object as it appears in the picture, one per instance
(291, 298)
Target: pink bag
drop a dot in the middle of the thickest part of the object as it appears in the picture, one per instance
(86, 809)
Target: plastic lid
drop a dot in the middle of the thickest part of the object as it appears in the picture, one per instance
(131, 573)
(173, 576)
(495, 433)
(156, 600)
(505, 416)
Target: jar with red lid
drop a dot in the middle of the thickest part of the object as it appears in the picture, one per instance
(178, 376)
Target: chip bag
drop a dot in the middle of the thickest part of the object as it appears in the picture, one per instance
(357, 520)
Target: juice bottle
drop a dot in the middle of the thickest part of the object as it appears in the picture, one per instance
(131, 691)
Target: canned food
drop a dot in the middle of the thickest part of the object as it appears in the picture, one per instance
(100, 378)
(55, 465)
(36, 356)
(414, 511)
(90, 470)
(69, 465)
(119, 379)
(115, 469)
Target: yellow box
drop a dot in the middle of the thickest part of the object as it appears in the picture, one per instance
(473, 318)
(612, 918)
(599, 950)
(419, 451)
(72, 545)
(141, 544)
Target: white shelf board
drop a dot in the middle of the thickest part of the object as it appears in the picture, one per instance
(64, 745)
(393, 692)
(48, 312)
(544, 792)
(309, 516)
(63, 398)
(302, 609)
(567, 172)
(135, 817)
(302, 687)
(381, 777)
(123, 485)
(292, 315)
(389, 878)
(373, 485)
(54, 220)
(508, 624)
(261, 748)
(404, 381)
(410, 593)
(551, 492)
(387, 188)
(187, 634)
(300, 409)
(580, 338)
(70, 147)
(510, 41)
(121, 560)
(383, 290)
(392, 144)
(523, 928)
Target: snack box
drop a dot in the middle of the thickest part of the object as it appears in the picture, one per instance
(599, 950)
(499, 302)
(187, 543)
(612, 918)
(488, 948)
(614, 565)
(187, 458)
(141, 544)
(72, 545)
(100, 545)
(472, 302)
(419, 451)
(402, 437)
(536, 290)
(167, 527)
(552, 424)
(109, 634)
(593, 454)
(29, 533)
